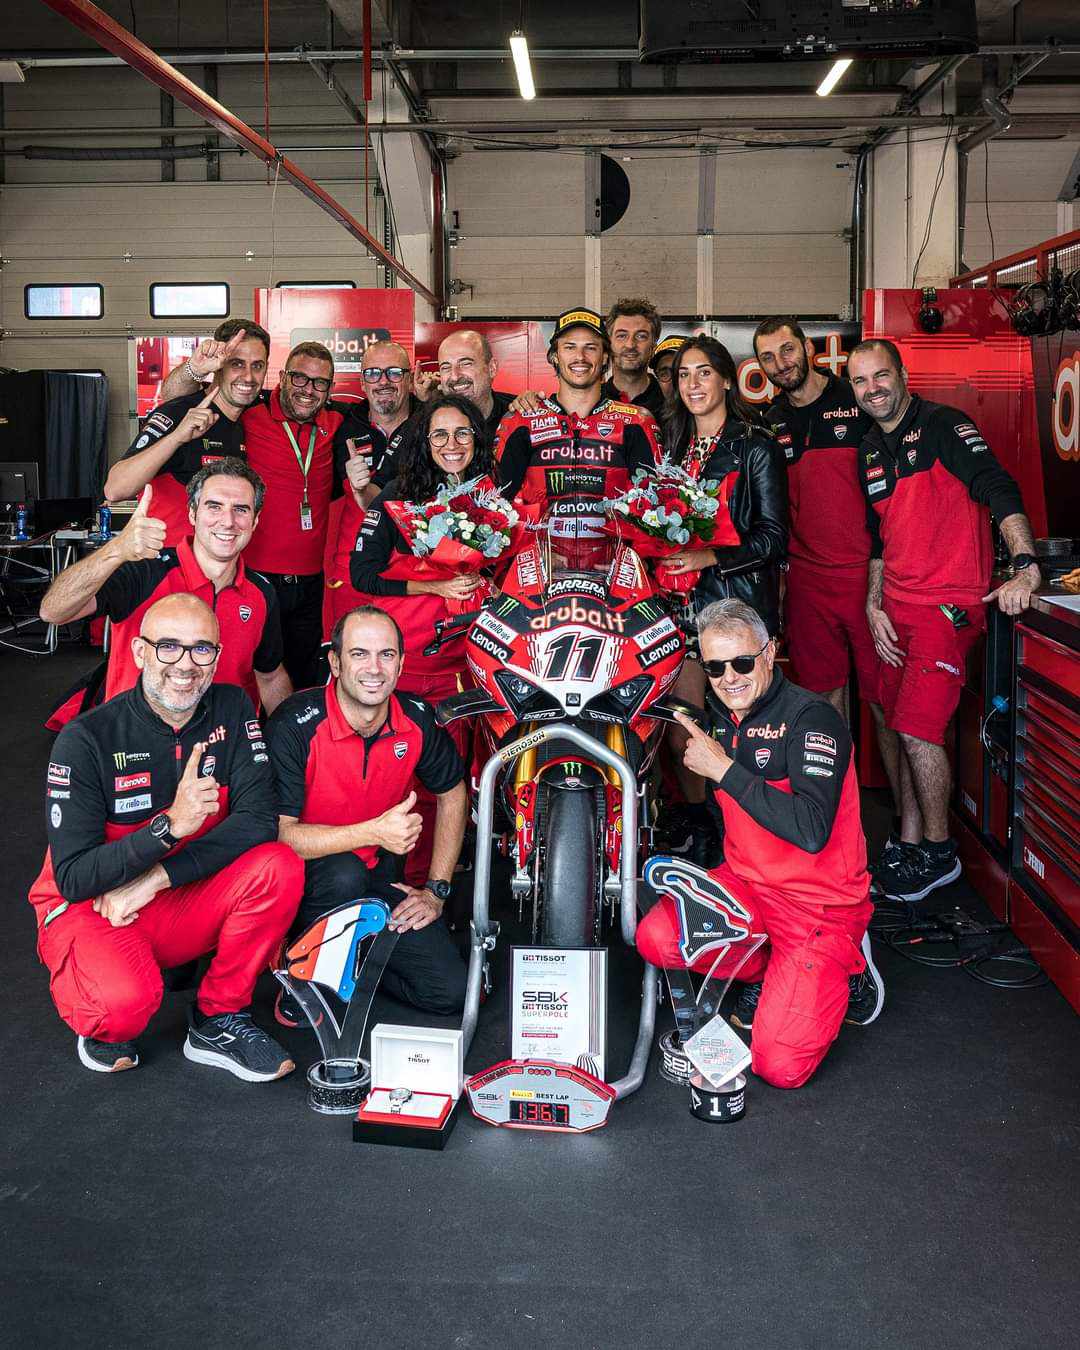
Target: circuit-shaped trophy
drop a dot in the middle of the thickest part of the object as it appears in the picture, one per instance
(333, 970)
(711, 921)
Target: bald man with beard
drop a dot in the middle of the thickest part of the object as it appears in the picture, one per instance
(162, 830)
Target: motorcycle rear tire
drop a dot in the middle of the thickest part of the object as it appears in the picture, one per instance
(570, 869)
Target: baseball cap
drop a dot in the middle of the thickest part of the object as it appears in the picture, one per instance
(669, 344)
(578, 318)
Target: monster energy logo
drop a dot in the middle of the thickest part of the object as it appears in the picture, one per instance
(505, 607)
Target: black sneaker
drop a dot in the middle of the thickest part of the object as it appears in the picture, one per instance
(675, 832)
(867, 996)
(742, 1015)
(232, 1041)
(892, 855)
(288, 1012)
(107, 1056)
(921, 873)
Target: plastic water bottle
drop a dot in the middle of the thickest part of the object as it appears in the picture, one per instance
(104, 522)
(20, 521)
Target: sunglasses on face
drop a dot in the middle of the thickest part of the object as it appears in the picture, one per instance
(741, 665)
(395, 374)
(169, 651)
(441, 438)
(299, 380)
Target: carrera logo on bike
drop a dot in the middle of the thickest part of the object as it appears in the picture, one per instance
(581, 585)
(768, 732)
(575, 612)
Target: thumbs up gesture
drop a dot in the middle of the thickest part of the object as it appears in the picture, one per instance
(398, 829)
(701, 754)
(144, 535)
(197, 421)
(196, 798)
(357, 470)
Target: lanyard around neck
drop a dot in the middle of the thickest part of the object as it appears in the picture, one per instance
(303, 461)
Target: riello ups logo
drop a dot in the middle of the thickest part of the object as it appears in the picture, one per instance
(347, 345)
(1065, 409)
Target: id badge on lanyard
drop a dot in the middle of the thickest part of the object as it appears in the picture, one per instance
(307, 520)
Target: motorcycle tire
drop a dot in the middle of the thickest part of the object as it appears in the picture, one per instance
(570, 869)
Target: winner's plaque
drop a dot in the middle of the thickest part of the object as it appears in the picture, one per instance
(558, 1006)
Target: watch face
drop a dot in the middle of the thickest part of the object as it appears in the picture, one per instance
(159, 826)
(439, 889)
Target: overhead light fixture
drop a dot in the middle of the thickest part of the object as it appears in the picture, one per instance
(829, 83)
(519, 50)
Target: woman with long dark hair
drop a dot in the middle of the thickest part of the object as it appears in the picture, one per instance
(713, 433)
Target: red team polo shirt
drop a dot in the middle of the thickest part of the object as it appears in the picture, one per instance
(328, 774)
(247, 612)
(279, 544)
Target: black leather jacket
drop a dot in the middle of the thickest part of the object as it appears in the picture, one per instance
(750, 570)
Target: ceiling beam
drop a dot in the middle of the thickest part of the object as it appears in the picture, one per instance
(113, 37)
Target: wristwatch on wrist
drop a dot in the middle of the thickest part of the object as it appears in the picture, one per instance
(160, 828)
(1022, 560)
(439, 889)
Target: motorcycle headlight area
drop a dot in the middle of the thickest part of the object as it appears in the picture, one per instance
(525, 698)
(621, 703)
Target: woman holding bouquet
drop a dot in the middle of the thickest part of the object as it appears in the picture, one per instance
(450, 446)
(714, 434)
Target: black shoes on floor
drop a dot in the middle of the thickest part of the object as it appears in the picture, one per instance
(233, 1042)
(107, 1056)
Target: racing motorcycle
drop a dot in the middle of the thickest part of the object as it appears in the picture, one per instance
(593, 650)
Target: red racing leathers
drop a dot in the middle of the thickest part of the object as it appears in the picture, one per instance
(571, 463)
(795, 855)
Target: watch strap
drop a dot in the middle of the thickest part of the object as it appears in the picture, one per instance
(1022, 560)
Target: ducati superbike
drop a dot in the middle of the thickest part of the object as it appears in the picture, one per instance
(571, 667)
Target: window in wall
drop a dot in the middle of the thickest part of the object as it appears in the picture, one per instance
(69, 300)
(316, 286)
(189, 300)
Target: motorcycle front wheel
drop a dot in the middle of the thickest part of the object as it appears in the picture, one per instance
(570, 902)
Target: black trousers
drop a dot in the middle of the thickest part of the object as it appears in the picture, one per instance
(426, 968)
(300, 600)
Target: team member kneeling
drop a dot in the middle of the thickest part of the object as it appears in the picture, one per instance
(344, 756)
(161, 848)
(781, 765)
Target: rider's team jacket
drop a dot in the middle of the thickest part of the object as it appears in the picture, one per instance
(571, 463)
(328, 774)
(820, 445)
(790, 800)
(930, 486)
(116, 767)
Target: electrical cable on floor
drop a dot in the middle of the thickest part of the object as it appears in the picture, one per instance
(896, 925)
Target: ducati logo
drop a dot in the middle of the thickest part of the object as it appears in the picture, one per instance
(400, 749)
(762, 757)
(605, 428)
(245, 613)
(840, 431)
(912, 455)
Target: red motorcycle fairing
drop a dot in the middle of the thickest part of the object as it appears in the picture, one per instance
(593, 647)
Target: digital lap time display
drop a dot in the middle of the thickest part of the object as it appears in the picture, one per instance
(539, 1113)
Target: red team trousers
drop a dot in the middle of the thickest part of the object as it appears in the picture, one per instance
(811, 952)
(106, 982)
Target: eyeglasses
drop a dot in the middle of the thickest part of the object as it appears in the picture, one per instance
(741, 665)
(441, 438)
(299, 380)
(395, 374)
(169, 651)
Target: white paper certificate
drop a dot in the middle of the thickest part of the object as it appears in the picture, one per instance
(558, 1005)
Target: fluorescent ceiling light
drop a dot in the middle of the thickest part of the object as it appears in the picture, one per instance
(829, 83)
(519, 50)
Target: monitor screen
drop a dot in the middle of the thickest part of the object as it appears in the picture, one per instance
(19, 482)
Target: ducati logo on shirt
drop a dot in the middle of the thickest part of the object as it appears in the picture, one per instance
(401, 749)
(840, 430)
(762, 757)
(605, 428)
(245, 613)
(208, 766)
(912, 455)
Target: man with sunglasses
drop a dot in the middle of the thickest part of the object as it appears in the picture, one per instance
(131, 572)
(780, 763)
(375, 447)
(163, 847)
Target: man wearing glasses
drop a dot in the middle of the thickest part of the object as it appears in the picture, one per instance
(128, 574)
(780, 763)
(375, 447)
(300, 447)
(163, 847)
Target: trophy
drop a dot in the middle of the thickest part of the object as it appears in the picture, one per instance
(703, 1052)
(333, 970)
